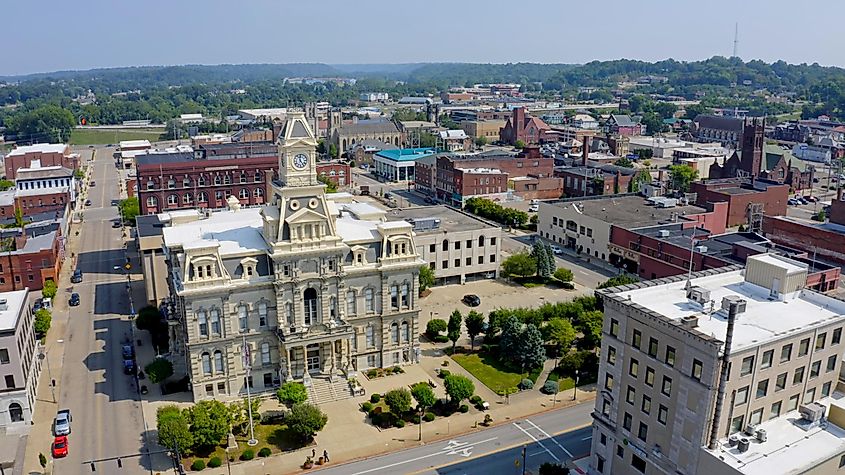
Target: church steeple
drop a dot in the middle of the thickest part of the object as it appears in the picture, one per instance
(297, 152)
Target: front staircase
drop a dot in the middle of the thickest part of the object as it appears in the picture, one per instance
(322, 389)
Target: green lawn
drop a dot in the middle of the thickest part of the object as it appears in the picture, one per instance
(566, 382)
(490, 371)
(274, 436)
(113, 136)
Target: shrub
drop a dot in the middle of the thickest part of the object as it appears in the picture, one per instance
(199, 464)
(476, 399)
(444, 373)
(248, 454)
(434, 327)
(428, 416)
(399, 423)
(372, 373)
(214, 462)
(398, 370)
(441, 339)
(526, 384)
(367, 407)
(464, 408)
(375, 398)
(264, 452)
(415, 418)
(548, 468)
(550, 387)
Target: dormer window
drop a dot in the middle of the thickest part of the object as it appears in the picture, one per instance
(331, 264)
(286, 270)
(359, 258)
(248, 267)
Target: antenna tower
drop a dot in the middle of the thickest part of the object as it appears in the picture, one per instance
(736, 38)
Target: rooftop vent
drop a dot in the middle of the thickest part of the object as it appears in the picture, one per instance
(743, 444)
(729, 299)
(701, 249)
(424, 224)
(664, 233)
(812, 412)
(698, 294)
(762, 435)
(690, 321)
(4, 305)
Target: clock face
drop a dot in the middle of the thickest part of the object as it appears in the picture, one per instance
(300, 160)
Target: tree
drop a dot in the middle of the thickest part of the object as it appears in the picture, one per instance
(454, 327)
(129, 208)
(521, 264)
(434, 327)
(424, 395)
(6, 184)
(292, 393)
(398, 401)
(426, 278)
(43, 320)
(210, 422)
(333, 151)
(538, 252)
(530, 352)
(306, 420)
(18, 217)
(458, 388)
(427, 140)
(643, 177)
(560, 332)
(511, 332)
(149, 318)
(480, 141)
(321, 147)
(563, 275)
(681, 176)
(475, 325)
(50, 289)
(519, 144)
(48, 123)
(621, 279)
(331, 187)
(159, 370)
(173, 429)
(240, 414)
(590, 324)
(624, 162)
(550, 258)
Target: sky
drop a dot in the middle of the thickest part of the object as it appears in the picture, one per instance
(50, 35)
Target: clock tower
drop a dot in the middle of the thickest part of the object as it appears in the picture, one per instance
(297, 152)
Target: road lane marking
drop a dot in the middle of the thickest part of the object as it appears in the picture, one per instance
(537, 441)
(453, 447)
(550, 437)
(586, 438)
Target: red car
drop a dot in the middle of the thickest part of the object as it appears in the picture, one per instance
(60, 446)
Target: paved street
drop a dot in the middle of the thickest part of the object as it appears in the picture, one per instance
(555, 436)
(104, 402)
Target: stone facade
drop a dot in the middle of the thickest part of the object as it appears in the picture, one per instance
(300, 288)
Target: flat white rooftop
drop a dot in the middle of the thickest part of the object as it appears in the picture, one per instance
(134, 143)
(788, 448)
(236, 232)
(40, 147)
(763, 320)
(14, 301)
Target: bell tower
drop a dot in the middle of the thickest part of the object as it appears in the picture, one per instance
(297, 152)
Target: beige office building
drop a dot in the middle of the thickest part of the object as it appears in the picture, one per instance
(659, 379)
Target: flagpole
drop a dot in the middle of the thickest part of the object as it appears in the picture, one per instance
(247, 356)
(691, 255)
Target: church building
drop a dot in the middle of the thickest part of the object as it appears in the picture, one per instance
(304, 288)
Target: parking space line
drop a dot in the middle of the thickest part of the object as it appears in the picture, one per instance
(550, 437)
(537, 441)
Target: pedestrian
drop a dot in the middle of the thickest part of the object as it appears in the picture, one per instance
(313, 453)
(326, 455)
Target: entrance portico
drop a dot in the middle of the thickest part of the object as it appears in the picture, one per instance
(322, 350)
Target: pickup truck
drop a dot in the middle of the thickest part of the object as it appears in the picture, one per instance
(62, 423)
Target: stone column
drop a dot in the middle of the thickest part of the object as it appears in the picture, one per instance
(289, 374)
(331, 356)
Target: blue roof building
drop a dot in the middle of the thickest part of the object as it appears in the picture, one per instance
(398, 164)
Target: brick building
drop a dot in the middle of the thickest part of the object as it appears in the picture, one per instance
(337, 172)
(30, 257)
(596, 179)
(178, 180)
(523, 127)
(740, 194)
(40, 155)
(624, 125)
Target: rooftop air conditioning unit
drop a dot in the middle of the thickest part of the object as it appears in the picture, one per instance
(812, 412)
(762, 436)
(698, 294)
(751, 429)
(664, 233)
(727, 300)
(701, 249)
(743, 445)
(690, 321)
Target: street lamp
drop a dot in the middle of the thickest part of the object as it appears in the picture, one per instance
(575, 388)
(43, 357)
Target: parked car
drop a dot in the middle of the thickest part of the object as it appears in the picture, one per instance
(793, 202)
(37, 305)
(93, 183)
(533, 208)
(128, 366)
(429, 200)
(556, 250)
(472, 300)
(812, 199)
(128, 352)
(116, 223)
(76, 277)
(802, 200)
(60, 447)
(74, 300)
(61, 426)
(87, 202)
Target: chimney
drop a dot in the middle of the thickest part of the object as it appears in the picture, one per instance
(277, 129)
(20, 240)
(519, 122)
(585, 149)
(723, 376)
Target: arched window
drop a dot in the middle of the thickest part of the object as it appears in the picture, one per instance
(218, 361)
(186, 182)
(215, 322)
(15, 412)
(369, 301)
(394, 332)
(201, 180)
(227, 179)
(202, 197)
(202, 320)
(480, 241)
(206, 364)
(257, 176)
(217, 179)
(187, 199)
(445, 246)
(406, 332)
(152, 201)
(242, 318)
(172, 200)
(243, 177)
(258, 192)
(243, 194)
(309, 300)
(265, 353)
(350, 303)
